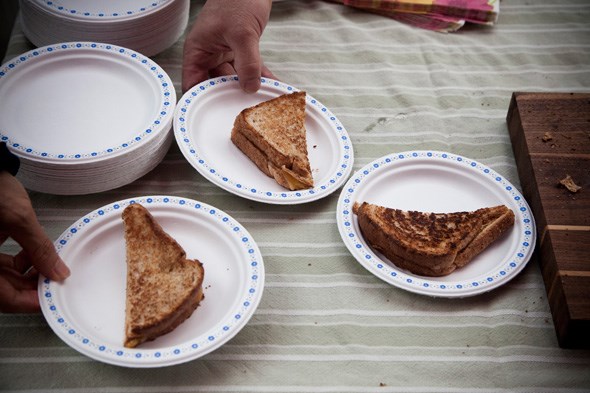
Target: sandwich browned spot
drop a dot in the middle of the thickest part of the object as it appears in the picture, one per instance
(431, 244)
(163, 286)
(273, 135)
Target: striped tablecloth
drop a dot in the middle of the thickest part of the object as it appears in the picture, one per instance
(325, 324)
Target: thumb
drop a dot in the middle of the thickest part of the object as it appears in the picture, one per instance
(40, 252)
(248, 64)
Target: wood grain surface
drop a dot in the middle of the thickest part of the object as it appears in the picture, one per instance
(550, 134)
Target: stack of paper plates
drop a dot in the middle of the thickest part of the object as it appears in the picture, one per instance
(85, 117)
(148, 27)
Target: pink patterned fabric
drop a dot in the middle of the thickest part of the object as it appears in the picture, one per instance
(438, 15)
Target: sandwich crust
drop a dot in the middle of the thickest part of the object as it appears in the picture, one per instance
(431, 244)
(273, 135)
(496, 220)
(163, 286)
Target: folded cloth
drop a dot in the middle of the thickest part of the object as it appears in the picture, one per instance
(439, 15)
(440, 23)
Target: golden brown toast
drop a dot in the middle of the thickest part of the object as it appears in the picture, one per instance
(163, 287)
(431, 244)
(273, 135)
(496, 221)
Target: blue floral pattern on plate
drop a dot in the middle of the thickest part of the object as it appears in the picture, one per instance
(68, 330)
(159, 123)
(70, 9)
(225, 181)
(388, 272)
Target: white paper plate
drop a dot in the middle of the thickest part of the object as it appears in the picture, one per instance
(82, 102)
(94, 10)
(148, 27)
(202, 125)
(435, 181)
(87, 310)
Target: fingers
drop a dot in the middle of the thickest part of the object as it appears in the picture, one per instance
(18, 264)
(193, 68)
(19, 221)
(248, 64)
(223, 69)
(38, 251)
(21, 301)
(16, 280)
(198, 66)
(226, 31)
(19, 293)
(28, 301)
(21, 262)
(204, 47)
(192, 73)
(247, 61)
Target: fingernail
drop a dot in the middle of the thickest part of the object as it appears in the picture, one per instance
(251, 86)
(61, 270)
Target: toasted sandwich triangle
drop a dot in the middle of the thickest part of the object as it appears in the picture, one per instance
(163, 287)
(431, 244)
(273, 135)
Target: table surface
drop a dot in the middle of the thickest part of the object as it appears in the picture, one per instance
(325, 323)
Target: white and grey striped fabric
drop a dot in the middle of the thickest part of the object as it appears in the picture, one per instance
(325, 324)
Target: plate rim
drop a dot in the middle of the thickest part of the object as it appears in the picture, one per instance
(57, 8)
(388, 272)
(284, 197)
(221, 333)
(160, 123)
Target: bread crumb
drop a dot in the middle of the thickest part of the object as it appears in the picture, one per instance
(547, 137)
(569, 183)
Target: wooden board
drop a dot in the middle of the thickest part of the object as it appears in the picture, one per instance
(550, 134)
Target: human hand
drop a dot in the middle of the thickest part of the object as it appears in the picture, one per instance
(18, 283)
(224, 40)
